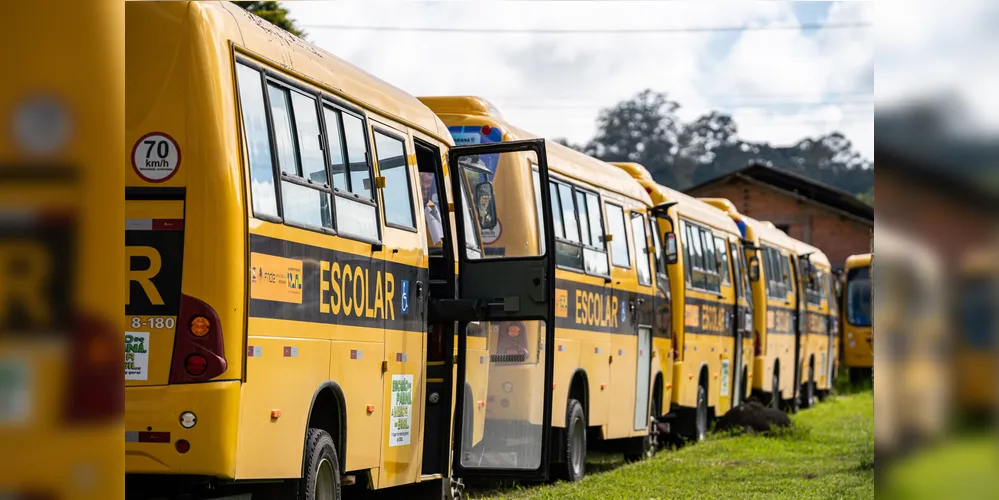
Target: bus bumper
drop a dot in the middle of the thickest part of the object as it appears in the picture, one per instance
(153, 429)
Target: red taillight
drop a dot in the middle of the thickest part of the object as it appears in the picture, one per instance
(513, 338)
(183, 446)
(648, 189)
(486, 130)
(198, 352)
(96, 385)
(196, 365)
(757, 345)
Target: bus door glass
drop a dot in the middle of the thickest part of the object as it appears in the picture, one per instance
(506, 292)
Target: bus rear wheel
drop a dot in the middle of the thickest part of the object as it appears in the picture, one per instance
(321, 480)
(574, 452)
(808, 389)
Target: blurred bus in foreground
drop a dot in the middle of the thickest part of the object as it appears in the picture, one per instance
(911, 375)
(61, 276)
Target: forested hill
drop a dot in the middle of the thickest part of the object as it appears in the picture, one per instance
(647, 130)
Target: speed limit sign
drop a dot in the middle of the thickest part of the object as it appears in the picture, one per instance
(156, 157)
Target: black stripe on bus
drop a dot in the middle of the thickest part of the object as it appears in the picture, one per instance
(386, 290)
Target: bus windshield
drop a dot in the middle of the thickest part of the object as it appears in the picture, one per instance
(977, 318)
(858, 296)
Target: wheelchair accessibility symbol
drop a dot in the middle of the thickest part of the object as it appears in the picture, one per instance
(405, 297)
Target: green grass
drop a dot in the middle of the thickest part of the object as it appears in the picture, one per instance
(963, 466)
(829, 454)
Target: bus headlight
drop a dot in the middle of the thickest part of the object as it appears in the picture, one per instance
(853, 344)
(507, 387)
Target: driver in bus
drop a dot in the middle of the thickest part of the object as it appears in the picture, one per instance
(435, 227)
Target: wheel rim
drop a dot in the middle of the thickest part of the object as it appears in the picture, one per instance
(702, 413)
(578, 449)
(325, 481)
(776, 393)
(652, 444)
(457, 489)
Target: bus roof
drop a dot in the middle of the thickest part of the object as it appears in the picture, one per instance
(767, 232)
(815, 255)
(859, 260)
(687, 205)
(228, 22)
(471, 110)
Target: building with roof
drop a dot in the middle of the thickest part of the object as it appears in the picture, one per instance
(826, 217)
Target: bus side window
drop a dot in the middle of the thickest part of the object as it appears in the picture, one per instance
(723, 270)
(355, 215)
(397, 195)
(258, 143)
(620, 255)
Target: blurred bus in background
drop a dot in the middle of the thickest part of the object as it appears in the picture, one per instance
(856, 320)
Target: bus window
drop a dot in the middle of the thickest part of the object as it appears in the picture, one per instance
(584, 221)
(313, 166)
(619, 241)
(283, 138)
(641, 248)
(359, 173)
(557, 211)
(396, 196)
(688, 259)
(595, 256)
(258, 142)
(569, 213)
(432, 212)
(723, 269)
(858, 297)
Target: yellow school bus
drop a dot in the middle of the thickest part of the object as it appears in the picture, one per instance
(612, 332)
(713, 337)
(772, 265)
(856, 319)
(816, 363)
(308, 296)
(61, 403)
(911, 387)
(975, 355)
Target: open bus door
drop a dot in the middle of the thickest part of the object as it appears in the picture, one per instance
(510, 289)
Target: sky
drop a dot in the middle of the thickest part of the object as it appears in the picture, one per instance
(779, 85)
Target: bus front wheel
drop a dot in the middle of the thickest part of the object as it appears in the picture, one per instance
(574, 452)
(321, 480)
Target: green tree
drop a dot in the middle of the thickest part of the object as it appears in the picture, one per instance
(647, 130)
(273, 13)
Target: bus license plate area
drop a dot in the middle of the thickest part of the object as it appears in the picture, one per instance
(15, 392)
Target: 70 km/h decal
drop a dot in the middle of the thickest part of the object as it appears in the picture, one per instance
(155, 157)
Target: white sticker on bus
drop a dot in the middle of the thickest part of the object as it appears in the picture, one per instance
(724, 378)
(155, 157)
(136, 355)
(466, 138)
(401, 410)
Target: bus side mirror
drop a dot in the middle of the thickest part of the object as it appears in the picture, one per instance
(754, 268)
(485, 204)
(671, 252)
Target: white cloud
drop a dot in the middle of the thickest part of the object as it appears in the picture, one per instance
(555, 84)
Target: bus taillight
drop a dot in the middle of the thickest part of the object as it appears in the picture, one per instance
(757, 345)
(513, 339)
(96, 373)
(198, 352)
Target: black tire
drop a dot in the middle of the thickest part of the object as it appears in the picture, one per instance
(775, 391)
(574, 453)
(647, 446)
(321, 477)
(808, 389)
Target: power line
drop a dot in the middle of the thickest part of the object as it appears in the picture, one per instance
(623, 31)
(718, 104)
